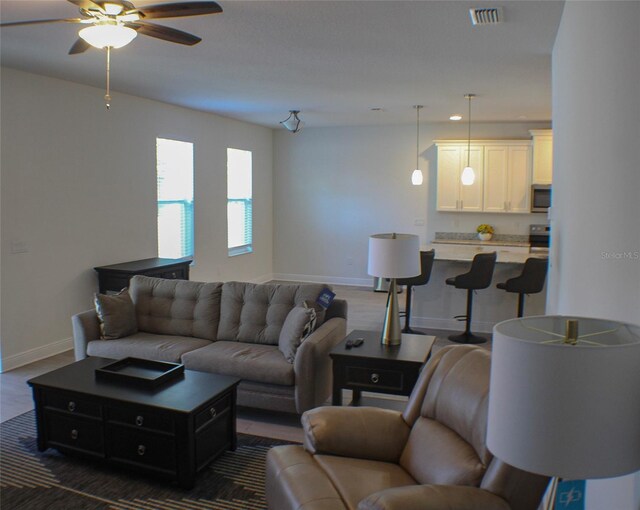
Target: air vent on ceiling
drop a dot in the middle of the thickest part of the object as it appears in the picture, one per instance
(486, 16)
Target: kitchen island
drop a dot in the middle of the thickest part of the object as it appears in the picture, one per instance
(435, 304)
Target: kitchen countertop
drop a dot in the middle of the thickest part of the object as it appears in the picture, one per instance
(464, 252)
(482, 243)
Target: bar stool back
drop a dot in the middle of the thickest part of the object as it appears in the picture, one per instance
(478, 277)
(426, 264)
(530, 281)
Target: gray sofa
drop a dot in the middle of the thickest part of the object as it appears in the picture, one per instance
(228, 328)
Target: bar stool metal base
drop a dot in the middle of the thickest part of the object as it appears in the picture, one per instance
(412, 331)
(467, 338)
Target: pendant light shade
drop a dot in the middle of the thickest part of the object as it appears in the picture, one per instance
(108, 35)
(293, 123)
(416, 176)
(468, 176)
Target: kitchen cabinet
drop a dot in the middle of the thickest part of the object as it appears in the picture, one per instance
(507, 178)
(542, 156)
(452, 194)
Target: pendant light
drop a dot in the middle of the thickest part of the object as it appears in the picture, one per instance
(416, 176)
(468, 176)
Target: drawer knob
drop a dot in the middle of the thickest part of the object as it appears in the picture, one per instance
(213, 412)
(74, 434)
(141, 449)
(375, 378)
(139, 421)
(71, 406)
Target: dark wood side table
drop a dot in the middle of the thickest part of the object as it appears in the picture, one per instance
(377, 368)
(116, 276)
(172, 431)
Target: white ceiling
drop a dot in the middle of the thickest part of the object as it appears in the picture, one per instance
(332, 59)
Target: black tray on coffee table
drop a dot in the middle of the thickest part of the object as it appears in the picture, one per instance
(143, 372)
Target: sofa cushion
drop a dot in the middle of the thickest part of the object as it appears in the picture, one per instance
(355, 479)
(146, 346)
(298, 325)
(176, 307)
(116, 315)
(255, 313)
(251, 362)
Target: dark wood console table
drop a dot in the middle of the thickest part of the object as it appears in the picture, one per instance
(116, 277)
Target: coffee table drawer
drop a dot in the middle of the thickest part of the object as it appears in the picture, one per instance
(212, 412)
(145, 449)
(76, 433)
(375, 378)
(70, 403)
(141, 418)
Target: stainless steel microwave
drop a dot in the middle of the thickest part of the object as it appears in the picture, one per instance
(540, 198)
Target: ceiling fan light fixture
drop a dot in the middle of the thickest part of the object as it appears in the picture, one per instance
(112, 9)
(108, 35)
(293, 123)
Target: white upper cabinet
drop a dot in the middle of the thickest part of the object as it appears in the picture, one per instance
(452, 194)
(503, 176)
(542, 156)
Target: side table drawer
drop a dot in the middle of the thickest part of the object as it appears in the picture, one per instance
(212, 412)
(70, 403)
(141, 419)
(145, 449)
(76, 433)
(375, 378)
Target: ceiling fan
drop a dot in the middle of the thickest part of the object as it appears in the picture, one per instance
(115, 23)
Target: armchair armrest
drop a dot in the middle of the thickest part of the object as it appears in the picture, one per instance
(361, 432)
(85, 329)
(433, 497)
(312, 365)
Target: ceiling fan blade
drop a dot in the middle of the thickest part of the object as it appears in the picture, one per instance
(80, 46)
(179, 9)
(37, 21)
(164, 33)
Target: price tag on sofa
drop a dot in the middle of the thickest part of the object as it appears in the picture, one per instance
(325, 298)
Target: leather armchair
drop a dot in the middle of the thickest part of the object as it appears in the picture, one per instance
(433, 456)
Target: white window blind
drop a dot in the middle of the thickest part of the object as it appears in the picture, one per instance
(174, 161)
(239, 202)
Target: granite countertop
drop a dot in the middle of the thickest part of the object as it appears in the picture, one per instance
(464, 252)
(478, 242)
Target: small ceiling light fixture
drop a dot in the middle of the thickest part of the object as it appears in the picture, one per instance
(416, 176)
(468, 176)
(293, 123)
(456, 116)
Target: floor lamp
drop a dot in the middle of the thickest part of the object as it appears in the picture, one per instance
(393, 256)
(565, 397)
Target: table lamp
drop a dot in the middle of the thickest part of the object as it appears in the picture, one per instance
(565, 397)
(393, 256)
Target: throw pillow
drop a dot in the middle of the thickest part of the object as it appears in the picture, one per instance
(297, 326)
(116, 314)
(320, 312)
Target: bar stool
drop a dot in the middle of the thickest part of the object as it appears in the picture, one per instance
(478, 277)
(426, 263)
(530, 281)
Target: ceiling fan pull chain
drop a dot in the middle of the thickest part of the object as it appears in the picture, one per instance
(107, 96)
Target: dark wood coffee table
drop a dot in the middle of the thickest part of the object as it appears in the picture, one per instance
(377, 368)
(174, 430)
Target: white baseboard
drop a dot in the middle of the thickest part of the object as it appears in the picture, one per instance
(333, 280)
(262, 279)
(36, 354)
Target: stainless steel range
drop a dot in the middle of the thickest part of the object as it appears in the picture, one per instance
(539, 237)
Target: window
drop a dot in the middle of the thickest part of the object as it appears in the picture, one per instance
(239, 202)
(174, 162)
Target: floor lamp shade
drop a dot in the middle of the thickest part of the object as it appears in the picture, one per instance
(565, 396)
(393, 256)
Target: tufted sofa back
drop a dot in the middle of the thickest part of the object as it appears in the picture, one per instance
(176, 307)
(255, 313)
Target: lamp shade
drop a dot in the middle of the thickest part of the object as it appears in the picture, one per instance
(561, 409)
(394, 255)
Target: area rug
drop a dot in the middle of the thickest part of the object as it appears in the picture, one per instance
(32, 480)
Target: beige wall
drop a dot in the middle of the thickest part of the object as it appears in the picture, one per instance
(79, 190)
